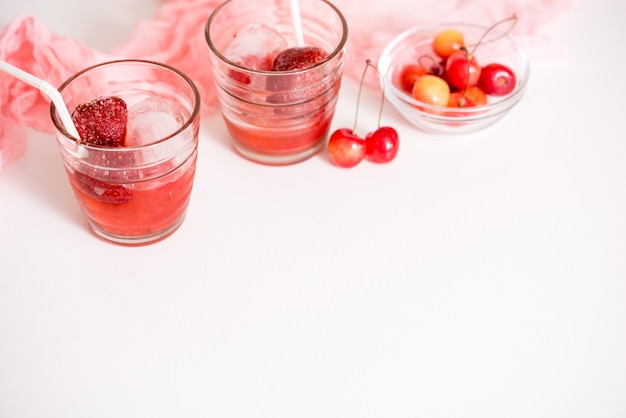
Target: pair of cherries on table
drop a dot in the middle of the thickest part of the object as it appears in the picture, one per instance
(346, 149)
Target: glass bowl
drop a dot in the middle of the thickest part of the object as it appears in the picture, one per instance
(414, 46)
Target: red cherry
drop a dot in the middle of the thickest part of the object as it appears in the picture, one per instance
(409, 75)
(471, 97)
(432, 90)
(345, 148)
(447, 41)
(382, 145)
(462, 70)
(497, 79)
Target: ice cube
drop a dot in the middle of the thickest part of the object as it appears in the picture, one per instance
(152, 119)
(255, 46)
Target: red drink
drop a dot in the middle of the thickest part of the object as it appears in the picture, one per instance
(277, 141)
(145, 209)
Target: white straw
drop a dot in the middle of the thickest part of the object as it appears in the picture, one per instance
(46, 88)
(297, 22)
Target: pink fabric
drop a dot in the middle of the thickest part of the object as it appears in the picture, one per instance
(29, 46)
(176, 36)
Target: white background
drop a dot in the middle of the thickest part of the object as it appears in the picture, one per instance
(479, 276)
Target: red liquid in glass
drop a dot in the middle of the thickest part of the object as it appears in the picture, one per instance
(137, 209)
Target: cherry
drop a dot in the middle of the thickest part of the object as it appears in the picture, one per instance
(412, 72)
(471, 97)
(409, 75)
(345, 148)
(462, 69)
(447, 41)
(497, 79)
(382, 145)
(431, 89)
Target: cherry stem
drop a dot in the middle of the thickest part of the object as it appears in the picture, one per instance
(368, 63)
(358, 100)
(492, 27)
(433, 63)
(467, 56)
(382, 96)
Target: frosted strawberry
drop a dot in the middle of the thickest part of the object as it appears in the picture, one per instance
(102, 121)
(101, 191)
(298, 58)
(294, 87)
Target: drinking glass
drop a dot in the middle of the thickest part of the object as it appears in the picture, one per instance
(139, 193)
(277, 117)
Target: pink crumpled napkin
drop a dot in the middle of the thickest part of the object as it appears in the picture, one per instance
(176, 36)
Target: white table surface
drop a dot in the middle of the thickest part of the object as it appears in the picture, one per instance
(480, 276)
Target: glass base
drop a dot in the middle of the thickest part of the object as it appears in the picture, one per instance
(269, 159)
(136, 240)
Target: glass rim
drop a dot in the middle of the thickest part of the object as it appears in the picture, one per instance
(59, 126)
(329, 57)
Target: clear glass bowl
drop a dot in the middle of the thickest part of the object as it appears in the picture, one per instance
(414, 45)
